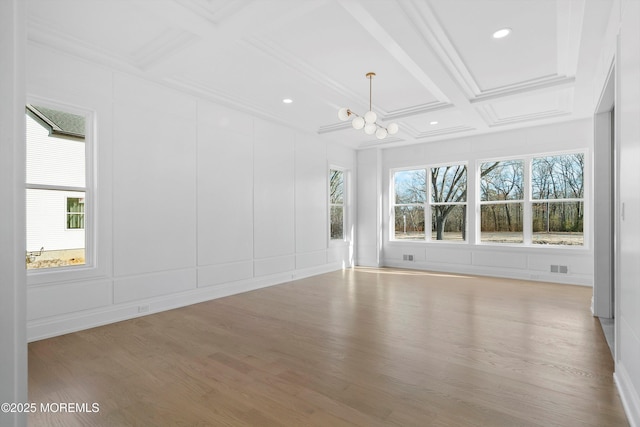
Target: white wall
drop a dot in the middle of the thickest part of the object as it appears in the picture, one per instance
(532, 262)
(369, 221)
(13, 340)
(194, 200)
(622, 46)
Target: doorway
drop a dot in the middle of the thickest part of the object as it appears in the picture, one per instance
(605, 215)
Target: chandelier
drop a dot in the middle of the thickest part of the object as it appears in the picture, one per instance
(368, 121)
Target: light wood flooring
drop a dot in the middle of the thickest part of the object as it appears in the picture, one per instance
(364, 347)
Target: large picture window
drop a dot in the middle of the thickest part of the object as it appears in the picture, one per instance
(502, 201)
(56, 188)
(438, 193)
(557, 193)
(549, 196)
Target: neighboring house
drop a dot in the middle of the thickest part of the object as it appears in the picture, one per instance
(55, 172)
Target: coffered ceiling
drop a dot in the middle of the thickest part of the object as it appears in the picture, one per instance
(435, 60)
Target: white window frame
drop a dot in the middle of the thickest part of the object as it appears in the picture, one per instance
(428, 212)
(427, 205)
(67, 213)
(88, 269)
(528, 201)
(526, 211)
(393, 204)
(343, 204)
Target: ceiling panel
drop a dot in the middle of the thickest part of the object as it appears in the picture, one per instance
(528, 54)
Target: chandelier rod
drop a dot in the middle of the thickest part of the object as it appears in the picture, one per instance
(370, 77)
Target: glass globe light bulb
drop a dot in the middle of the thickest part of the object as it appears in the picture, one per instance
(343, 114)
(392, 128)
(358, 123)
(370, 117)
(370, 129)
(381, 133)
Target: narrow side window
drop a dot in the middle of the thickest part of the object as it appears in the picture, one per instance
(336, 204)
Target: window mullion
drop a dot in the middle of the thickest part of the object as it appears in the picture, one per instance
(54, 187)
(527, 217)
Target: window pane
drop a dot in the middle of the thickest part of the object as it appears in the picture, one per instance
(336, 187)
(337, 222)
(50, 240)
(449, 184)
(51, 159)
(449, 222)
(503, 180)
(410, 186)
(501, 223)
(558, 223)
(409, 222)
(558, 177)
(75, 213)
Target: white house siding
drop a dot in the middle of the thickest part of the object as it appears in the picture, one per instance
(47, 222)
(52, 160)
(57, 161)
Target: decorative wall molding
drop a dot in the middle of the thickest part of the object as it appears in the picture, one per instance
(77, 321)
(39, 32)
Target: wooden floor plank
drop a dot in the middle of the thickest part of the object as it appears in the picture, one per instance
(356, 347)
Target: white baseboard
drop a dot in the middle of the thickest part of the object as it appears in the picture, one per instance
(628, 395)
(63, 324)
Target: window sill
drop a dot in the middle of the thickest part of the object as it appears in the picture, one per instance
(493, 246)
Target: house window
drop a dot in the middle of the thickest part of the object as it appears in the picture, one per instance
(502, 201)
(557, 193)
(550, 196)
(56, 187)
(75, 213)
(336, 204)
(446, 204)
(410, 195)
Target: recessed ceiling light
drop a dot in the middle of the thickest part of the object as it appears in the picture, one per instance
(433, 123)
(287, 100)
(502, 33)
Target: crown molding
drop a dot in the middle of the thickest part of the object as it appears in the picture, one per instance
(160, 48)
(493, 120)
(540, 84)
(41, 33)
(417, 135)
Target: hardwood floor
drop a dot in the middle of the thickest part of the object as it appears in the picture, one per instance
(362, 347)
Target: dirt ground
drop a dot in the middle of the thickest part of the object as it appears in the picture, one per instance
(52, 259)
